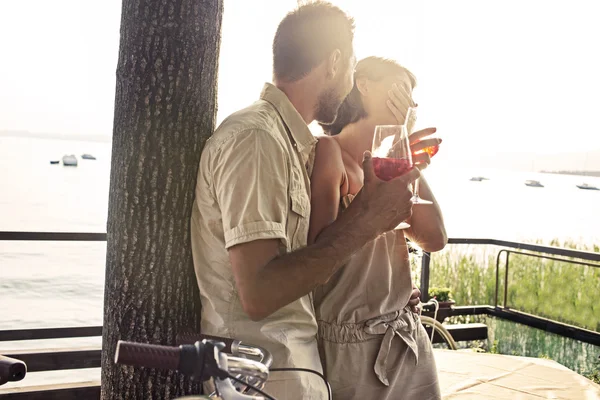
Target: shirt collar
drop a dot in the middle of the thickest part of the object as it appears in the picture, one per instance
(302, 136)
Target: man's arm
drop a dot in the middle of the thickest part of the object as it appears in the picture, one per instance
(267, 281)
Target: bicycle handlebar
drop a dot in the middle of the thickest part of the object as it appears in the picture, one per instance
(11, 370)
(232, 346)
(191, 338)
(203, 360)
(148, 355)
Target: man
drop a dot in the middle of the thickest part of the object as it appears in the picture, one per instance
(251, 213)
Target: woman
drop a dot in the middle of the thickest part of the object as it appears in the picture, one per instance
(372, 345)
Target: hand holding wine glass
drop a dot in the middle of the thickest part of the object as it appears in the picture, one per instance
(423, 148)
(403, 108)
(389, 202)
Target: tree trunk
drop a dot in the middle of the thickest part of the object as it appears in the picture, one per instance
(164, 111)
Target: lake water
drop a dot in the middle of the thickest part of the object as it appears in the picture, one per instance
(59, 284)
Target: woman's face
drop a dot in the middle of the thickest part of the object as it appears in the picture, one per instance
(375, 100)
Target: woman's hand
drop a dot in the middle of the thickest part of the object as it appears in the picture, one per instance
(399, 101)
(415, 300)
(421, 158)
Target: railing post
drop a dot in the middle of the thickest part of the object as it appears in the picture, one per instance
(425, 261)
(497, 277)
(506, 280)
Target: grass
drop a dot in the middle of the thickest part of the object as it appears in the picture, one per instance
(553, 289)
(594, 374)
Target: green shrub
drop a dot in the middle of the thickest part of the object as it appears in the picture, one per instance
(440, 294)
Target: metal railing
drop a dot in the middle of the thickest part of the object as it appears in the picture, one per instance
(501, 312)
(53, 236)
(580, 255)
(504, 312)
(90, 357)
(556, 251)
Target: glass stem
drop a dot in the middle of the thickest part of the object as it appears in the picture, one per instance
(416, 188)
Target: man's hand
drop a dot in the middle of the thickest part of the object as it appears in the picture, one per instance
(415, 300)
(383, 205)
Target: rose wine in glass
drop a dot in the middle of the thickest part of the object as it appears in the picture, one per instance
(432, 150)
(390, 168)
(391, 154)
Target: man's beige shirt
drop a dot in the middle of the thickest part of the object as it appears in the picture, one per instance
(253, 184)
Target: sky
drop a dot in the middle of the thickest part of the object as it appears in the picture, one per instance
(493, 76)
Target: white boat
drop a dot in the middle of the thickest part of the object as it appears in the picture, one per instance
(533, 183)
(478, 179)
(87, 157)
(69, 160)
(586, 186)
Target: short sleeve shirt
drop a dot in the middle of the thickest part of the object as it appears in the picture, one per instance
(253, 184)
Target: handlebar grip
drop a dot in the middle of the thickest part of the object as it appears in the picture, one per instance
(191, 338)
(147, 355)
(11, 370)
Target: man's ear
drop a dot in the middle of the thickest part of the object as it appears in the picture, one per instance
(362, 84)
(334, 63)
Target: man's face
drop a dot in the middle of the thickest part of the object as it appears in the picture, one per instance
(334, 94)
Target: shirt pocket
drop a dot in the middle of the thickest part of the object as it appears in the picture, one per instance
(299, 218)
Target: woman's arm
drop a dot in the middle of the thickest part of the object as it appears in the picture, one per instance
(326, 179)
(427, 227)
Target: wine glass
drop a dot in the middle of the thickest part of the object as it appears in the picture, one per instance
(391, 154)
(411, 117)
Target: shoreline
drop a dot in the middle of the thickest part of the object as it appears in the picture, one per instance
(595, 174)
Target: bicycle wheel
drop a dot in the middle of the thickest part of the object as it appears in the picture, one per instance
(439, 328)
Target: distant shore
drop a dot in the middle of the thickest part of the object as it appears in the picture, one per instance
(581, 173)
(59, 136)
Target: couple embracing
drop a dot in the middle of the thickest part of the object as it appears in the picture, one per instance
(293, 238)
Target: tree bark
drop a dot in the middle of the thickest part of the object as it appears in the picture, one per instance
(165, 110)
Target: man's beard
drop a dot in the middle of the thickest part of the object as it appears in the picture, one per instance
(327, 106)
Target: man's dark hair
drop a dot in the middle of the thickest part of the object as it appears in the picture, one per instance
(352, 109)
(307, 36)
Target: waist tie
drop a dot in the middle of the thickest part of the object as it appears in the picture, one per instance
(399, 323)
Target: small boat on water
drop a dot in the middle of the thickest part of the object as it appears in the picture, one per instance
(54, 162)
(586, 186)
(478, 179)
(69, 160)
(87, 157)
(533, 183)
